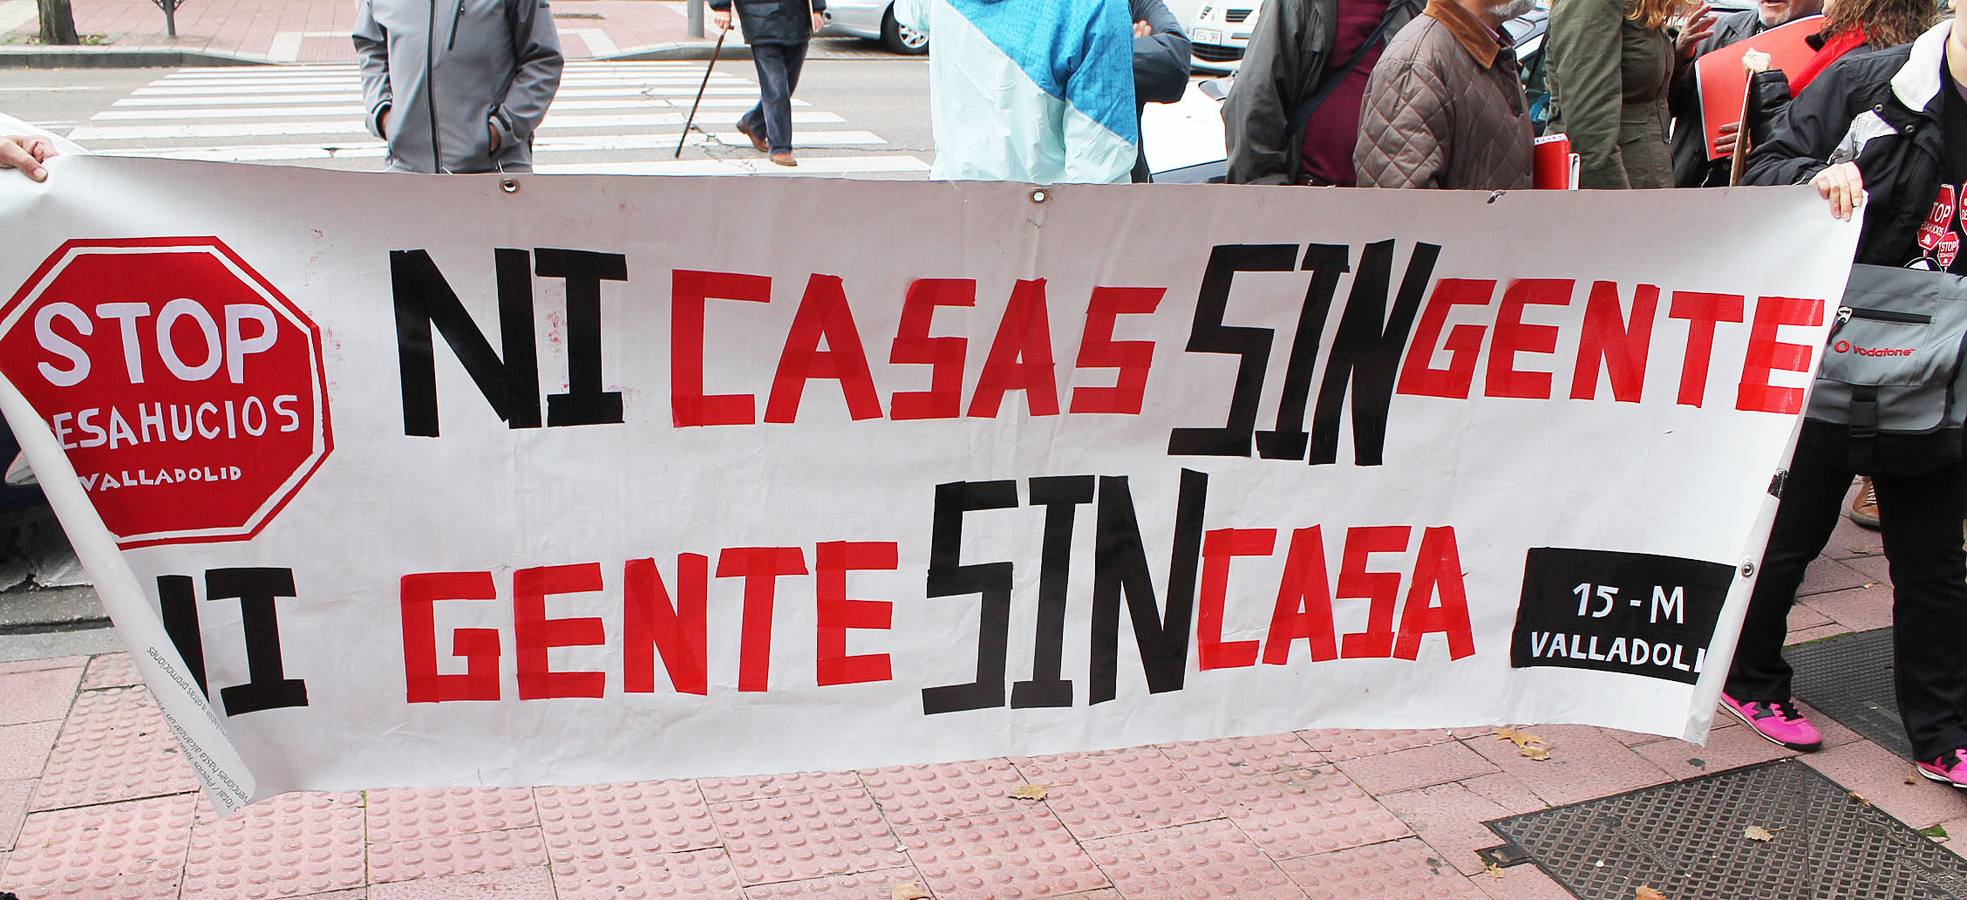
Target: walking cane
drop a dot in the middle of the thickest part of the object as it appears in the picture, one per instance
(714, 53)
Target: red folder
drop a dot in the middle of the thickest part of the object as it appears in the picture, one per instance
(1556, 167)
(1722, 81)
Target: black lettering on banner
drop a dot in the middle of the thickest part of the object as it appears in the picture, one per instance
(990, 581)
(1366, 352)
(256, 589)
(177, 602)
(1633, 613)
(1120, 567)
(584, 403)
(1326, 262)
(1061, 496)
(1208, 334)
(425, 302)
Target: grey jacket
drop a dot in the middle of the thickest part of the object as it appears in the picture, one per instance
(450, 73)
(1690, 164)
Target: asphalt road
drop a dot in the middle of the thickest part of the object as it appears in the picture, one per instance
(865, 116)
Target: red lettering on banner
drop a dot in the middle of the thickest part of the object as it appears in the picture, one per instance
(1098, 350)
(479, 647)
(651, 623)
(823, 316)
(1437, 573)
(1219, 547)
(837, 613)
(1702, 311)
(1767, 354)
(1418, 376)
(760, 567)
(689, 405)
(943, 355)
(536, 635)
(1616, 342)
(1304, 603)
(1382, 588)
(1512, 336)
(1020, 357)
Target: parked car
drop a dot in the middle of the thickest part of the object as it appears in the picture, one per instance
(1220, 33)
(875, 21)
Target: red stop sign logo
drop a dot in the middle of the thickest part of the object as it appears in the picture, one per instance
(186, 391)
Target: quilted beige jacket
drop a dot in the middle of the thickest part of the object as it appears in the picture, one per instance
(1445, 109)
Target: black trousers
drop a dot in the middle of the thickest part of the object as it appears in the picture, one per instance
(778, 76)
(1920, 520)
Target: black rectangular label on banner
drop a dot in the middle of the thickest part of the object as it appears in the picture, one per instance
(1634, 613)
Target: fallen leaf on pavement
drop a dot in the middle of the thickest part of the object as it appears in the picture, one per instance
(1031, 792)
(909, 891)
(1870, 584)
(1758, 833)
(1520, 738)
(1646, 892)
(1937, 833)
(1495, 871)
(1860, 798)
(1537, 753)
(1912, 779)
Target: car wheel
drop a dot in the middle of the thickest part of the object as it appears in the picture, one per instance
(901, 38)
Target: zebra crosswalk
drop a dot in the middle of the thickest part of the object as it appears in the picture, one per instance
(608, 118)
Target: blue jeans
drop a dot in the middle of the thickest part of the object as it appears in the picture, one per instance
(778, 76)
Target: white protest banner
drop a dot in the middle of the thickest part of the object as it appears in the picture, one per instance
(432, 481)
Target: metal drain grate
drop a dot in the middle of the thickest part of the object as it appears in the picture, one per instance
(1686, 840)
(1849, 678)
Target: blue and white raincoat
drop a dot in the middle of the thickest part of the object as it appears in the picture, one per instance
(1040, 91)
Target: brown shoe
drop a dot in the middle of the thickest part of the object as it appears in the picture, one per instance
(757, 140)
(1864, 507)
(784, 158)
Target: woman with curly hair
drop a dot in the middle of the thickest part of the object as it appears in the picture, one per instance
(1610, 64)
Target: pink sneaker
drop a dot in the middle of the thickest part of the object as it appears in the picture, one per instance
(1780, 723)
(1948, 769)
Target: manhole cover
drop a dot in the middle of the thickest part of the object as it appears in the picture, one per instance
(1687, 840)
(1849, 678)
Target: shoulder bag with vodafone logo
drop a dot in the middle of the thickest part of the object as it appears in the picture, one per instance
(1889, 396)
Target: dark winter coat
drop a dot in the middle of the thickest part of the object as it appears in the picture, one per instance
(1691, 167)
(774, 21)
(1161, 64)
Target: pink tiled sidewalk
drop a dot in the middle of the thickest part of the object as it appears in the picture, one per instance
(317, 30)
(94, 802)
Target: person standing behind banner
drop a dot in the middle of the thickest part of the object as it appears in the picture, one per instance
(1445, 106)
(1293, 115)
(457, 88)
(778, 31)
(1039, 91)
(1610, 63)
(1883, 136)
(1691, 167)
(1162, 56)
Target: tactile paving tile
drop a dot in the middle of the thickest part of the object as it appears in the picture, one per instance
(1685, 839)
(118, 849)
(111, 670)
(1066, 768)
(1025, 852)
(591, 822)
(806, 836)
(1240, 757)
(1306, 811)
(1203, 860)
(698, 873)
(1849, 678)
(114, 746)
(292, 844)
(753, 787)
(42, 696)
(456, 854)
(918, 793)
(1341, 744)
(406, 815)
(1396, 870)
(513, 884)
(881, 884)
(1115, 798)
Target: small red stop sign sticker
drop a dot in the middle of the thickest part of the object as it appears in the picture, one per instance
(186, 391)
